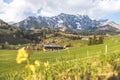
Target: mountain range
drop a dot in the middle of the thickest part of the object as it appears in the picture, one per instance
(64, 22)
(67, 21)
(35, 28)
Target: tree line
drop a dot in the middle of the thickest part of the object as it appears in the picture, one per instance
(96, 40)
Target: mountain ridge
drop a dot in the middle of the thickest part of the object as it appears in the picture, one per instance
(67, 21)
(64, 21)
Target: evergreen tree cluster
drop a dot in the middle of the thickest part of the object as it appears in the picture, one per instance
(95, 40)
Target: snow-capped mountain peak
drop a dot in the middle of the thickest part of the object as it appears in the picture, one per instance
(80, 22)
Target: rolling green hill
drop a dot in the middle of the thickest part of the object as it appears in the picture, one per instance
(8, 57)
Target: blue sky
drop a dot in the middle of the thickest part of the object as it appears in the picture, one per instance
(17, 10)
(114, 16)
(8, 1)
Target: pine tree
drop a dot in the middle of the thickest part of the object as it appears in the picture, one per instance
(100, 41)
(94, 41)
(90, 41)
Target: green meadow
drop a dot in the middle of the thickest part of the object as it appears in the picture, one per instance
(8, 57)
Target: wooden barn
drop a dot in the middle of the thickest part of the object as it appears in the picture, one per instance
(51, 47)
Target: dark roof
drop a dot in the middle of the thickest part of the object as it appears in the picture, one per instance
(51, 45)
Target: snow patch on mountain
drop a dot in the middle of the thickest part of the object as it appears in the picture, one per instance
(78, 25)
(60, 21)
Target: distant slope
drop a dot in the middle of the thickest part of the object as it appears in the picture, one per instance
(10, 34)
(3, 25)
(110, 25)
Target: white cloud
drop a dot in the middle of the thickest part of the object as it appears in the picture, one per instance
(2, 5)
(15, 11)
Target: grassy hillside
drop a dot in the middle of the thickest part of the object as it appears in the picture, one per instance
(8, 57)
(67, 54)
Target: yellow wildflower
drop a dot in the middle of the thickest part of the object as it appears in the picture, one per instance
(46, 64)
(37, 63)
(22, 55)
(32, 68)
(116, 73)
(27, 66)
